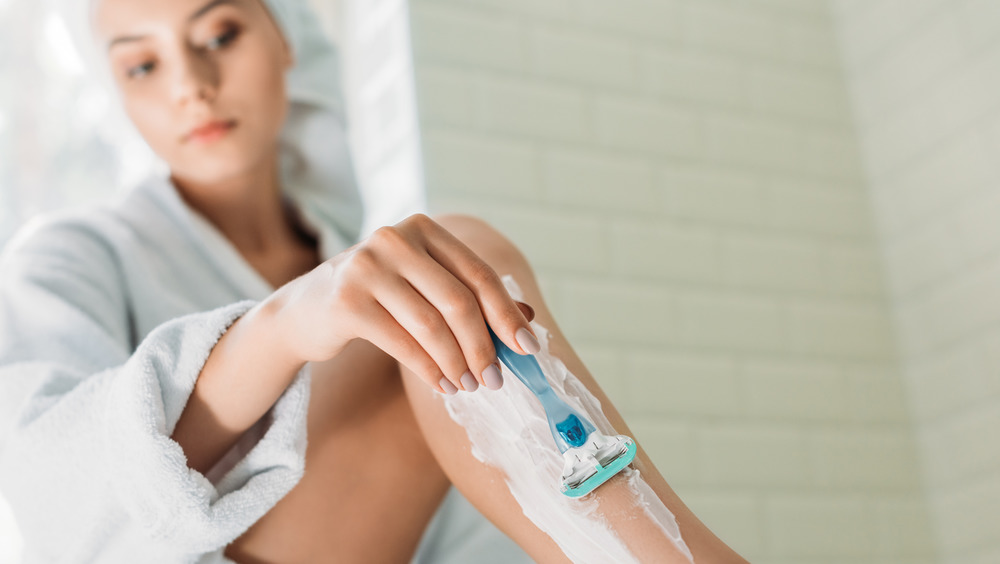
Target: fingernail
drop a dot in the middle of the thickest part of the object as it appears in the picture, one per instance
(469, 382)
(527, 341)
(527, 310)
(448, 387)
(492, 378)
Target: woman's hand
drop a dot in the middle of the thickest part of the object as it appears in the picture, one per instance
(416, 292)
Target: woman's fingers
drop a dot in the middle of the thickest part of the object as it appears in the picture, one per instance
(526, 310)
(461, 310)
(497, 307)
(443, 296)
(379, 327)
(425, 323)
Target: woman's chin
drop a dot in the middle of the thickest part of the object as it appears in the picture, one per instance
(218, 163)
(213, 172)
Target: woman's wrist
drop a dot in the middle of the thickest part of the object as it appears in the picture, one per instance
(270, 327)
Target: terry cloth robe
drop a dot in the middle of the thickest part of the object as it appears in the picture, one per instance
(106, 319)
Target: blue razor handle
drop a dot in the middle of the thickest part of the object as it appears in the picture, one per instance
(569, 428)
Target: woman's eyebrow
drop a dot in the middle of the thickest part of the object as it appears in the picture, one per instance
(197, 14)
(124, 39)
(208, 7)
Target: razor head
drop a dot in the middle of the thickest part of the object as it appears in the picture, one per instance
(595, 462)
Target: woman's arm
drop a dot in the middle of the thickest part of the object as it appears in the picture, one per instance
(412, 290)
(246, 372)
(85, 414)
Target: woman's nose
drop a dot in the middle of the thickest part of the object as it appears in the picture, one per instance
(195, 78)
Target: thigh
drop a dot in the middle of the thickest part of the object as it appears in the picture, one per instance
(371, 485)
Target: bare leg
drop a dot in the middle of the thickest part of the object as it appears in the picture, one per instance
(374, 507)
(370, 486)
(485, 486)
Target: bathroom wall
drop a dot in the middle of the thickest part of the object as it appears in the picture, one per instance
(686, 178)
(925, 81)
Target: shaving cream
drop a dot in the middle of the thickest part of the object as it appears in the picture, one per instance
(508, 430)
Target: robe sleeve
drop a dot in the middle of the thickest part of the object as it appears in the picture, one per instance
(85, 421)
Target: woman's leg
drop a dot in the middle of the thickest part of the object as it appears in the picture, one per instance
(371, 485)
(369, 462)
(485, 486)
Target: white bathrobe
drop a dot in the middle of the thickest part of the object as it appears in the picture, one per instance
(106, 319)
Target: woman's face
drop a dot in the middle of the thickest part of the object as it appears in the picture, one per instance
(203, 80)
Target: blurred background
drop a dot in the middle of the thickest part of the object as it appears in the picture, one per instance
(770, 227)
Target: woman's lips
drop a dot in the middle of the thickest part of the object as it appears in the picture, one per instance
(210, 131)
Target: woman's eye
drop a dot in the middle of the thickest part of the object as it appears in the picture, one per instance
(222, 40)
(139, 71)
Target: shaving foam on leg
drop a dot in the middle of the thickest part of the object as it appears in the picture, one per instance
(508, 430)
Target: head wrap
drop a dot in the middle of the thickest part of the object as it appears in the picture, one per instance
(315, 161)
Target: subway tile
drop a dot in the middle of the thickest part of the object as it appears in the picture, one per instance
(730, 322)
(758, 142)
(670, 447)
(735, 517)
(794, 391)
(647, 128)
(568, 242)
(473, 38)
(902, 526)
(819, 525)
(731, 28)
(647, 19)
(695, 77)
(682, 384)
(445, 97)
(839, 327)
(607, 311)
(598, 181)
(530, 108)
(777, 263)
(711, 195)
(460, 163)
(584, 57)
(872, 459)
(959, 446)
(752, 455)
(876, 393)
(965, 515)
(656, 251)
(804, 208)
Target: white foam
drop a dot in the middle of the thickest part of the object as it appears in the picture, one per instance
(508, 430)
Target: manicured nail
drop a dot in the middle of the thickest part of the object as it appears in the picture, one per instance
(448, 387)
(527, 341)
(527, 310)
(469, 382)
(492, 378)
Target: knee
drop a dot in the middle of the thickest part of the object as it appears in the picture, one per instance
(486, 241)
(470, 228)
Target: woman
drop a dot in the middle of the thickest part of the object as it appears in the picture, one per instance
(165, 357)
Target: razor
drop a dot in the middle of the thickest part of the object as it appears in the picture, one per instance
(589, 457)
